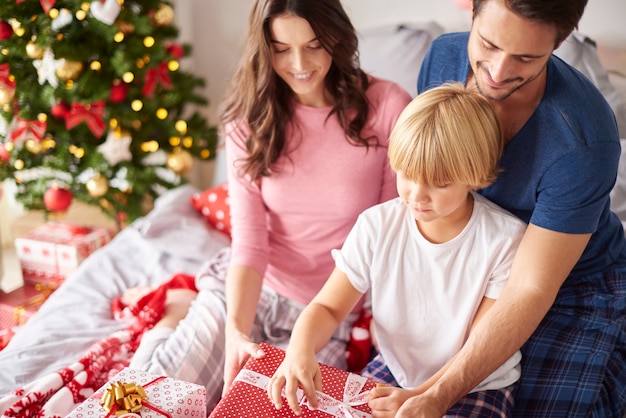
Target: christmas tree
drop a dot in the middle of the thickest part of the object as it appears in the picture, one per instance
(93, 104)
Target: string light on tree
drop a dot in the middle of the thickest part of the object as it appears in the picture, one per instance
(107, 101)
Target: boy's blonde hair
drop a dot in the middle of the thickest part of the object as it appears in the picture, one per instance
(448, 134)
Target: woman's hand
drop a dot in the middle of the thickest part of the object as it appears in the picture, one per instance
(239, 348)
(295, 371)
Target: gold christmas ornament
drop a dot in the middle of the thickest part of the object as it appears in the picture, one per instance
(34, 147)
(164, 15)
(97, 186)
(34, 51)
(179, 161)
(5, 97)
(15, 24)
(69, 70)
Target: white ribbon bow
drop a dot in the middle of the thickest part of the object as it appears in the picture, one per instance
(352, 395)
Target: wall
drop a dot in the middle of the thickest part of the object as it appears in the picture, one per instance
(216, 29)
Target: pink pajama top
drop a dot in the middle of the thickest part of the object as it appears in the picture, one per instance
(285, 225)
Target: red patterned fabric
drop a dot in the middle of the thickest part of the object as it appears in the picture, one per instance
(57, 394)
(213, 204)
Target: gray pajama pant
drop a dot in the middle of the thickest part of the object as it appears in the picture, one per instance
(194, 351)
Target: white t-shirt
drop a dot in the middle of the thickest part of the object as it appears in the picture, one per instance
(425, 295)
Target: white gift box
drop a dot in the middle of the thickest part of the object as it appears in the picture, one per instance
(165, 397)
(51, 252)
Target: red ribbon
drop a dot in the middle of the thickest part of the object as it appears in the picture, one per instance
(29, 129)
(156, 76)
(92, 114)
(46, 5)
(5, 77)
(144, 402)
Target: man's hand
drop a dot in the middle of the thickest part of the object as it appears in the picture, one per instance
(385, 401)
(421, 406)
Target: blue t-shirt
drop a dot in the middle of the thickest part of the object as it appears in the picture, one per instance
(561, 166)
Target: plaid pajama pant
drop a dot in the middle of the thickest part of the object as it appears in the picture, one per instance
(194, 351)
(484, 404)
(574, 365)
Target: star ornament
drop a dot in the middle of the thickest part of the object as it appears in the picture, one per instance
(46, 68)
(116, 148)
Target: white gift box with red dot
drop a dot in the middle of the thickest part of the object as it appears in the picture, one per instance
(174, 398)
(51, 252)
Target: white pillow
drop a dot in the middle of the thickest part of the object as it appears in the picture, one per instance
(395, 52)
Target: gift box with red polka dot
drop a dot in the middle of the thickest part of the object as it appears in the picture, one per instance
(344, 394)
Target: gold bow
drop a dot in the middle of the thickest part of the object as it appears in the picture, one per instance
(126, 397)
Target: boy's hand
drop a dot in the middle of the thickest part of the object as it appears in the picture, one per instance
(296, 371)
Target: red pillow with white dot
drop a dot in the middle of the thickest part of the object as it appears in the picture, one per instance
(214, 206)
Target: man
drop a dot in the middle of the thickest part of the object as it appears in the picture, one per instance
(565, 301)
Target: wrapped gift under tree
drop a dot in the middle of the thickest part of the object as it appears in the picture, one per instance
(51, 252)
(18, 306)
(344, 393)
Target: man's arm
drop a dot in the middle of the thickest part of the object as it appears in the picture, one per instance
(542, 262)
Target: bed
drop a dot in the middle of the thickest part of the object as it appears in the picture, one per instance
(79, 312)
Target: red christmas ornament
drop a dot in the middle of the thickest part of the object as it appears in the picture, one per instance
(4, 153)
(6, 31)
(118, 93)
(60, 110)
(57, 199)
(176, 50)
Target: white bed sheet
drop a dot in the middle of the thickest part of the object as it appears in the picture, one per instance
(172, 238)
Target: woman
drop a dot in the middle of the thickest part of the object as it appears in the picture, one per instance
(306, 134)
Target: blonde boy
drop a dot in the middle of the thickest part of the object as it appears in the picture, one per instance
(434, 260)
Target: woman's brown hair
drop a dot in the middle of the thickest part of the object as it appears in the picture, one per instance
(261, 100)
